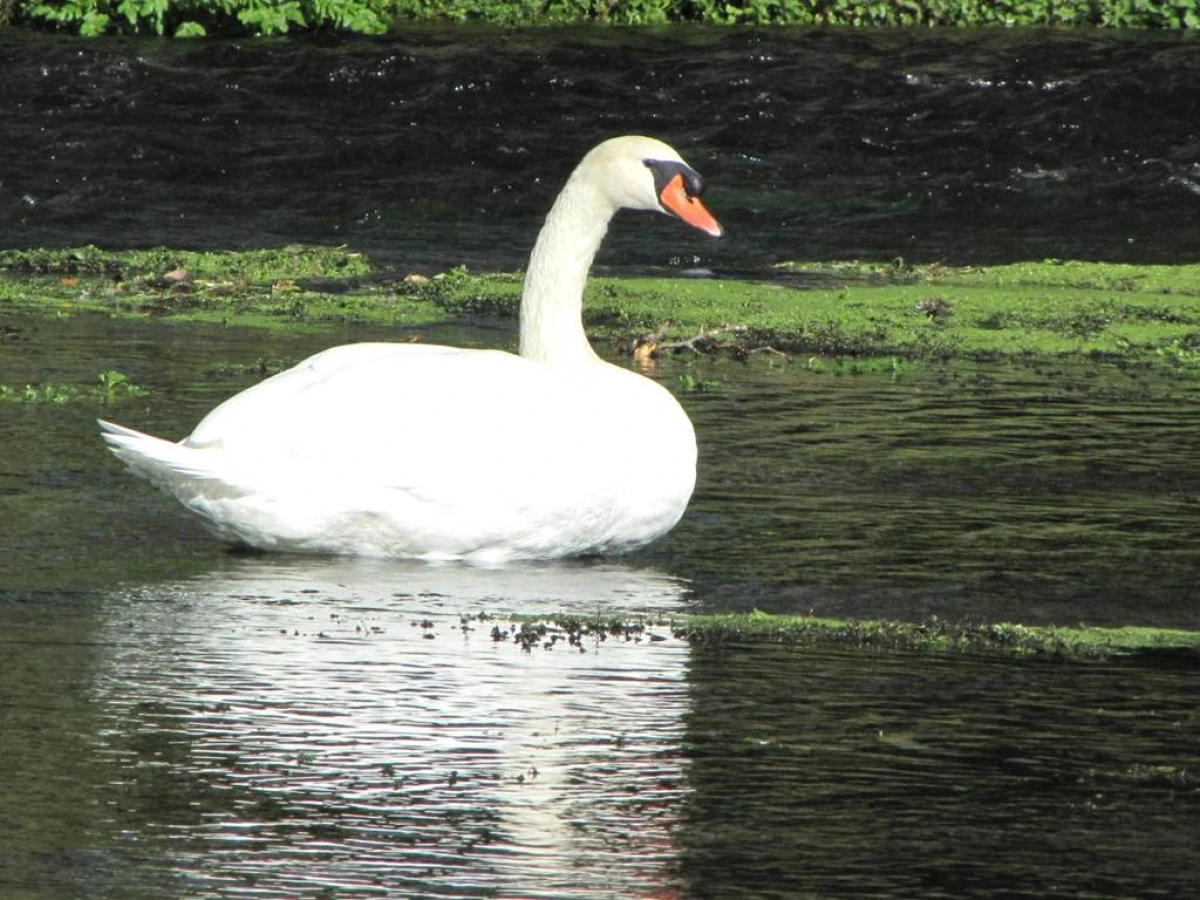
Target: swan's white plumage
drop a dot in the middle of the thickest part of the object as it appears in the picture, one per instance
(409, 450)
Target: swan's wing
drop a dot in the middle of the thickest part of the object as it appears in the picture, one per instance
(332, 386)
(423, 419)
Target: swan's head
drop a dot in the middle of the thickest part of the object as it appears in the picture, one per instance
(638, 172)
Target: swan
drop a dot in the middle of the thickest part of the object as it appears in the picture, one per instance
(443, 453)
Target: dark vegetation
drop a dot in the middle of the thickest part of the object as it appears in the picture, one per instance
(195, 18)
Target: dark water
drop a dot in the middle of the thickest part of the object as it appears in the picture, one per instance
(439, 147)
(909, 777)
(182, 722)
(308, 730)
(1052, 495)
(179, 722)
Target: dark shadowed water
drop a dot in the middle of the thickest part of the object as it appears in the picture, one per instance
(183, 722)
(180, 722)
(442, 147)
(1058, 494)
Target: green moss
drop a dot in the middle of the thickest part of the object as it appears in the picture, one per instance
(274, 264)
(937, 635)
(824, 312)
(1034, 310)
(288, 287)
(932, 635)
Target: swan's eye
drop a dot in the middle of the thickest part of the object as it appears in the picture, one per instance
(666, 171)
(679, 188)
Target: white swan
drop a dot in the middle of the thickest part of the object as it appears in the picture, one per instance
(408, 450)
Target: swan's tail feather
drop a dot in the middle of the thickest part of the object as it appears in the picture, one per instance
(160, 462)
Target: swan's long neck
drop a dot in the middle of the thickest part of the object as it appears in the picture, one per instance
(552, 301)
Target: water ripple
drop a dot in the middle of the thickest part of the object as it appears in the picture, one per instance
(973, 147)
(334, 727)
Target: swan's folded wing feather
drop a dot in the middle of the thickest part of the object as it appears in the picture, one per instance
(438, 422)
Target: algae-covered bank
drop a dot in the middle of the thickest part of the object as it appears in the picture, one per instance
(718, 630)
(816, 312)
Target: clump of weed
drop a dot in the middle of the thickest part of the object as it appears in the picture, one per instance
(263, 366)
(108, 387)
(571, 631)
(691, 384)
(460, 293)
(1183, 351)
(937, 309)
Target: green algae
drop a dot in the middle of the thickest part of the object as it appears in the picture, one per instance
(283, 287)
(267, 265)
(819, 311)
(1071, 642)
(933, 635)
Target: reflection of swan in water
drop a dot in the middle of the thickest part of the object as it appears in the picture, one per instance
(525, 588)
(345, 731)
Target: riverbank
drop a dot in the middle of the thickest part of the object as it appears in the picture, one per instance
(817, 313)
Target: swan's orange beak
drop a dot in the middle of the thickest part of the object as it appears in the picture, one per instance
(674, 197)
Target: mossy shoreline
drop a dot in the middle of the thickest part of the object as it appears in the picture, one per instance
(1079, 643)
(1036, 311)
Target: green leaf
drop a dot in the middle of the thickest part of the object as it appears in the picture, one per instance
(94, 23)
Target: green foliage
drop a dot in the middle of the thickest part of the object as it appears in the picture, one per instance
(108, 387)
(195, 18)
(1113, 13)
(690, 384)
(114, 385)
(1149, 14)
(1117, 13)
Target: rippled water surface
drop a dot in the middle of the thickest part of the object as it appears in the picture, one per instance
(1057, 494)
(188, 723)
(331, 729)
(435, 148)
(180, 722)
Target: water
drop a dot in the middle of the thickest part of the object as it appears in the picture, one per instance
(292, 730)
(918, 777)
(1061, 494)
(183, 722)
(1056, 495)
(178, 721)
(327, 729)
(440, 147)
